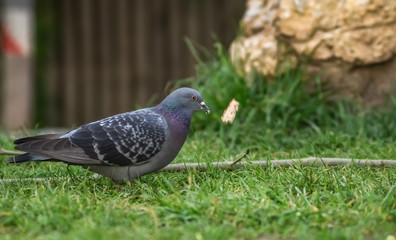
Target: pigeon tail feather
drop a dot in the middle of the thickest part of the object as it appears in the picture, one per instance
(27, 157)
(35, 138)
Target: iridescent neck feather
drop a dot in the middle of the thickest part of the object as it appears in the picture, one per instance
(179, 118)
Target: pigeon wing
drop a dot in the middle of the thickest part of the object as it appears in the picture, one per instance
(124, 139)
(120, 140)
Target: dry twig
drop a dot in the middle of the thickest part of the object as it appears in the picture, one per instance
(179, 167)
(8, 152)
(310, 161)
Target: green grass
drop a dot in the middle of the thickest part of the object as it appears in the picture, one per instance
(277, 120)
(299, 202)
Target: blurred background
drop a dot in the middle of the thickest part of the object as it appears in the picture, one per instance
(68, 62)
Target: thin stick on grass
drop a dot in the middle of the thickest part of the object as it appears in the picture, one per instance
(310, 161)
(230, 165)
(8, 152)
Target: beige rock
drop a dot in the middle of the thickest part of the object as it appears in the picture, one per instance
(346, 39)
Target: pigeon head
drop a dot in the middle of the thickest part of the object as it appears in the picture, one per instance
(186, 100)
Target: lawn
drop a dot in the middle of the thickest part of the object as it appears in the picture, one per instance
(277, 120)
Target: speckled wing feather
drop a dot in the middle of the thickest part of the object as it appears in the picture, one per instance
(124, 139)
(120, 140)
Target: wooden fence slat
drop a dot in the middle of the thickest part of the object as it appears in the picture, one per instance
(69, 73)
(143, 65)
(132, 53)
(231, 23)
(175, 39)
(87, 63)
(52, 82)
(209, 23)
(105, 58)
(122, 25)
(159, 46)
(192, 33)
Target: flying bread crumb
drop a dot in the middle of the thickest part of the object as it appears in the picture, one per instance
(229, 113)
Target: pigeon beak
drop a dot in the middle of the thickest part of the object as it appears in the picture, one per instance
(204, 107)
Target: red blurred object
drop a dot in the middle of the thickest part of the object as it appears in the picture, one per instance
(8, 44)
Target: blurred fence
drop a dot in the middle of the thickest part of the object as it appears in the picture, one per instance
(100, 57)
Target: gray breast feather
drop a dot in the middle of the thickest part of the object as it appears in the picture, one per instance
(124, 139)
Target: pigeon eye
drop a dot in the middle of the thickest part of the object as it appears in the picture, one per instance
(193, 97)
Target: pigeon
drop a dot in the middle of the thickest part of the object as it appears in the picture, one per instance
(122, 147)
